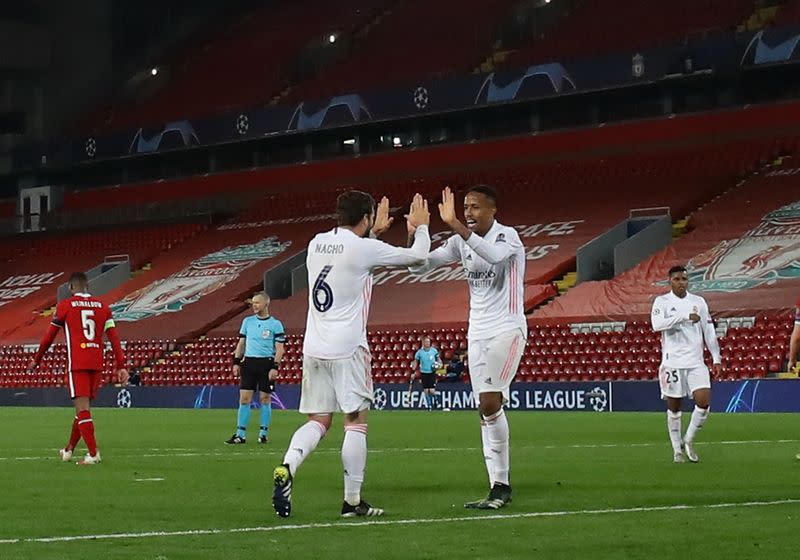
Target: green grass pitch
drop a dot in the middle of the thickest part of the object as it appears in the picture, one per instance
(585, 486)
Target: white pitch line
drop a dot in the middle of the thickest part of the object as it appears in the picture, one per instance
(154, 479)
(399, 522)
(260, 453)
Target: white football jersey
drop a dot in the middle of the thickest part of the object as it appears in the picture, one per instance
(495, 266)
(681, 339)
(340, 287)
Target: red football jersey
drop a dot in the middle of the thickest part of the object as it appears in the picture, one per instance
(85, 319)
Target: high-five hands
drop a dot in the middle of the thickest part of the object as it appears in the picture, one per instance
(447, 208)
(382, 219)
(418, 214)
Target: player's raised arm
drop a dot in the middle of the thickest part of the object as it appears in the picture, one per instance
(446, 254)
(418, 217)
(659, 320)
(382, 219)
(492, 251)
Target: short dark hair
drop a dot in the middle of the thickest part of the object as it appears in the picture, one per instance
(352, 206)
(78, 280)
(675, 269)
(485, 190)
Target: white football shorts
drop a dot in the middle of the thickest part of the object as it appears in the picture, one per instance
(678, 383)
(342, 385)
(493, 362)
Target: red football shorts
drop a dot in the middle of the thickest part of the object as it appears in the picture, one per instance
(84, 383)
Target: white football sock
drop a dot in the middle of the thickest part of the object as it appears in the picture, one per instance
(497, 428)
(674, 430)
(304, 441)
(699, 416)
(487, 450)
(354, 461)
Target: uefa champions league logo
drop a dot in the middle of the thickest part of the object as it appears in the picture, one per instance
(242, 124)
(91, 147)
(124, 398)
(598, 399)
(379, 399)
(421, 98)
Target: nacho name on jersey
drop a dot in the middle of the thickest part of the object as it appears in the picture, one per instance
(329, 248)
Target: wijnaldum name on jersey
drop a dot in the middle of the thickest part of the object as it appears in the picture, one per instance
(83, 303)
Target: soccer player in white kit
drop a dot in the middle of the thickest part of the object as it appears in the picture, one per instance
(494, 258)
(336, 358)
(684, 321)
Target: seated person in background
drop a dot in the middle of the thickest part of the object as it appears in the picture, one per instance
(455, 367)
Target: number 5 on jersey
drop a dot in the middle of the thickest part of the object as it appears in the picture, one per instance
(89, 325)
(321, 293)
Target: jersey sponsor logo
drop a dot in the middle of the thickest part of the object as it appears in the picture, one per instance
(202, 277)
(266, 333)
(481, 274)
(768, 253)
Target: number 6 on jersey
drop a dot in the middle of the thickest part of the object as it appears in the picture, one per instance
(322, 294)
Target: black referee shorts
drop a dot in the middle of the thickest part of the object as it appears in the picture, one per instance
(255, 375)
(428, 380)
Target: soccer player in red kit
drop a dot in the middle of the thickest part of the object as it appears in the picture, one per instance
(84, 319)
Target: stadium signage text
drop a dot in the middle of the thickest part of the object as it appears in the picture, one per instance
(557, 397)
(18, 287)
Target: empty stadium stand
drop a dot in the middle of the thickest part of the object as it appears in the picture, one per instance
(243, 65)
(742, 256)
(257, 59)
(38, 264)
(789, 12)
(419, 40)
(630, 25)
(14, 360)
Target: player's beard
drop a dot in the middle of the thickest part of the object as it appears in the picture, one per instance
(369, 229)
